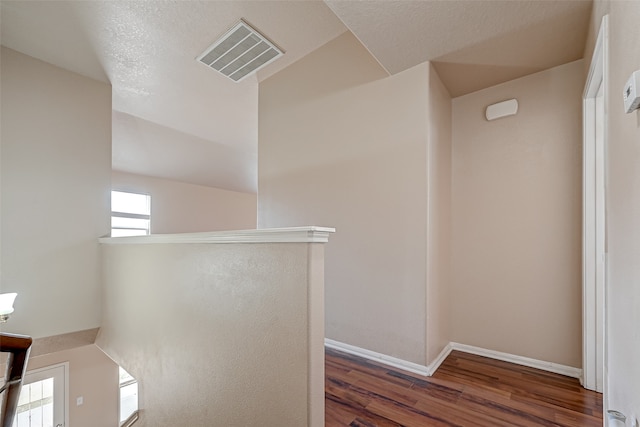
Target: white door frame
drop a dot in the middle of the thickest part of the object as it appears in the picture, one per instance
(594, 268)
(60, 374)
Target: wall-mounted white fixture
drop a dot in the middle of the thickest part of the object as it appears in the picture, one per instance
(631, 94)
(502, 109)
(6, 305)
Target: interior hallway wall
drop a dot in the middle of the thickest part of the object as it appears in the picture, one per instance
(56, 173)
(517, 203)
(92, 376)
(178, 207)
(342, 144)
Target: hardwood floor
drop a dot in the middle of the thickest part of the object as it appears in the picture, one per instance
(467, 390)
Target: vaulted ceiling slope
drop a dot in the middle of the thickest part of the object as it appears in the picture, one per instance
(165, 102)
(474, 44)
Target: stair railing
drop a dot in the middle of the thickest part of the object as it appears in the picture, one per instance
(18, 347)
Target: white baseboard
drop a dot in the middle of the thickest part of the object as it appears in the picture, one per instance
(430, 369)
(556, 368)
(395, 362)
(433, 366)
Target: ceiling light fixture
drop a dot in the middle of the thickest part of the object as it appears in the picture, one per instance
(240, 52)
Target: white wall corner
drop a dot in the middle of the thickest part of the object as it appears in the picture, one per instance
(433, 366)
(556, 368)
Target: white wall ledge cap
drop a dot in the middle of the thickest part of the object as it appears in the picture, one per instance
(311, 234)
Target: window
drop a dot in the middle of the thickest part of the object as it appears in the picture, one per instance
(128, 395)
(42, 398)
(130, 214)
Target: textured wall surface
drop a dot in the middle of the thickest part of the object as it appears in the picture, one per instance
(178, 207)
(218, 335)
(56, 174)
(92, 376)
(517, 185)
(345, 147)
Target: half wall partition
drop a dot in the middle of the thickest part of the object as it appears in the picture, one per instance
(220, 329)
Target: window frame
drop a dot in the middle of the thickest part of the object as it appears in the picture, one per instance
(127, 215)
(122, 384)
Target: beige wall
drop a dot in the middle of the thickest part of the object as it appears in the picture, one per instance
(623, 209)
(218, 334)
(56, 166)
(178, 207)
(342, 144)
(517, 188)
(438, 307)
(92, 376)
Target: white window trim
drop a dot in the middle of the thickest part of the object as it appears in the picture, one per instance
(132, 215)
(133, 417)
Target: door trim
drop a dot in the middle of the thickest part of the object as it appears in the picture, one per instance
(594, 268)
(45, 372)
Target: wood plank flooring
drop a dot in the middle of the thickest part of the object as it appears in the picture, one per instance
(467, 390)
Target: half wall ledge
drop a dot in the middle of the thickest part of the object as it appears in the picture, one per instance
(307, 234)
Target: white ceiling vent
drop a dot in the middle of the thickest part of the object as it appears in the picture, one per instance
(240, 52)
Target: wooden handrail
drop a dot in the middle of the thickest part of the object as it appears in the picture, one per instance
(18, 347)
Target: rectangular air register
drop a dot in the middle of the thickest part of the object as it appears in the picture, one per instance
(240, 52)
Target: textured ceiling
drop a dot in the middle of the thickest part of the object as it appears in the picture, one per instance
(176, 119)
(147, 51)
(474, 44)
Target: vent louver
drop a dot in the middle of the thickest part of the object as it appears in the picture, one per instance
(240, 52)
